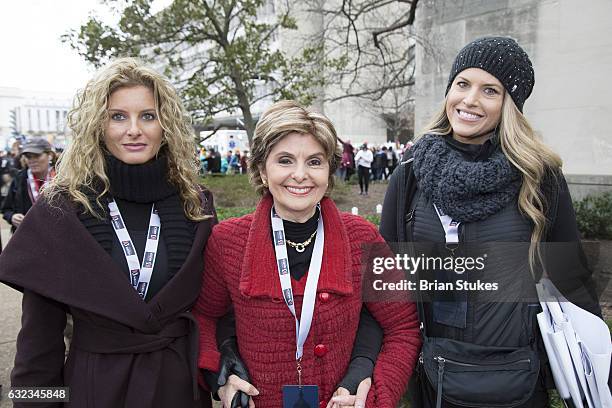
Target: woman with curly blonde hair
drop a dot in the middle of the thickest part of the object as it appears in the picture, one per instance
(117, 242)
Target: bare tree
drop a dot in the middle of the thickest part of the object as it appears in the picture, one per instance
(375, 38)
(397, 111)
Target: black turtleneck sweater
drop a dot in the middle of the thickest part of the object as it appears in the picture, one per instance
(299, 232)
(135, 188)
(136, 217)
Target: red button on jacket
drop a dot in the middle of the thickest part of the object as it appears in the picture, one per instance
(324, 296)
(320, 350)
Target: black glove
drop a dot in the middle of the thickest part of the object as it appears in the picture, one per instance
(359, 369)
(240, 400)
(230, 363)
(368, 343)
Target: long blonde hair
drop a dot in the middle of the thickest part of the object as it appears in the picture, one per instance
(524, 149)
(82, 164)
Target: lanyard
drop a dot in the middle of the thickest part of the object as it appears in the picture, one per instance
(140, 275)
(34, 188)
(453, 313)
(302, 326)
(451, 228)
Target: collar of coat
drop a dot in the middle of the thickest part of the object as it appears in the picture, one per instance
(54, 255)
(259, 274)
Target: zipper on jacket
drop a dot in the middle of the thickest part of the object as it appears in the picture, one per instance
(409, 216)
(461, 232)
(460, 363)
(441, 360)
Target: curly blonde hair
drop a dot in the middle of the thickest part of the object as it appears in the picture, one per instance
(524, 149)
(281, 119)
(82, 164)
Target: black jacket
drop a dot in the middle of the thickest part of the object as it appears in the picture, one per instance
(561, 228)
(18, 200)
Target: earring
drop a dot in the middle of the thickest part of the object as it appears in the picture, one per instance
(265, 183)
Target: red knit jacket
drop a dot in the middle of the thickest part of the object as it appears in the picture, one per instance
(241, 271)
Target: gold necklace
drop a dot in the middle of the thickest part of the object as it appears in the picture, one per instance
(301, 246)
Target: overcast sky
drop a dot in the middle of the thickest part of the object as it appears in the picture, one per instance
(31, 54)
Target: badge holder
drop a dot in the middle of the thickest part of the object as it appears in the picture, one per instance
(300, 396)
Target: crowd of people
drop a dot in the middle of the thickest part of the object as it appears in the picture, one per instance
(213, 162)
(381, 160)
(171, 307)
(377, 165)
(370, 163)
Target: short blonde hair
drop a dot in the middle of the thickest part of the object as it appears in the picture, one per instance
(287, 117)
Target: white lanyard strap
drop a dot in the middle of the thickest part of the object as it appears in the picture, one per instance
(140, 275)
(302, 326)
(451, 228)
(33, 190)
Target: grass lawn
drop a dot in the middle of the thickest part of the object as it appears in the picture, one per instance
(231, 190)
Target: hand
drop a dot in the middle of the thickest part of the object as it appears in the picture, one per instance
(343, 398)
(16, 219)
(233, 385)
(231, 363)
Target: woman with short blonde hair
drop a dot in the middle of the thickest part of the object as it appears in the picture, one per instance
(295, 253)
(287, 117)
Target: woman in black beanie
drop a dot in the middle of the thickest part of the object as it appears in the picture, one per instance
(116, 240)
(479, 173)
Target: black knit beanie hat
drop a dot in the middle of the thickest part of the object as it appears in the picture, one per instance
(501, 57)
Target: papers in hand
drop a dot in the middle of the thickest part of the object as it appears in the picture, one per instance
(578, 347)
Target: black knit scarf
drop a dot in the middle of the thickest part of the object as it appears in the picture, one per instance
(465, 190)
(144, 183)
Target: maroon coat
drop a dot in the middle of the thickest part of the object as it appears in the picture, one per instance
(246, 278)
(124, 352)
